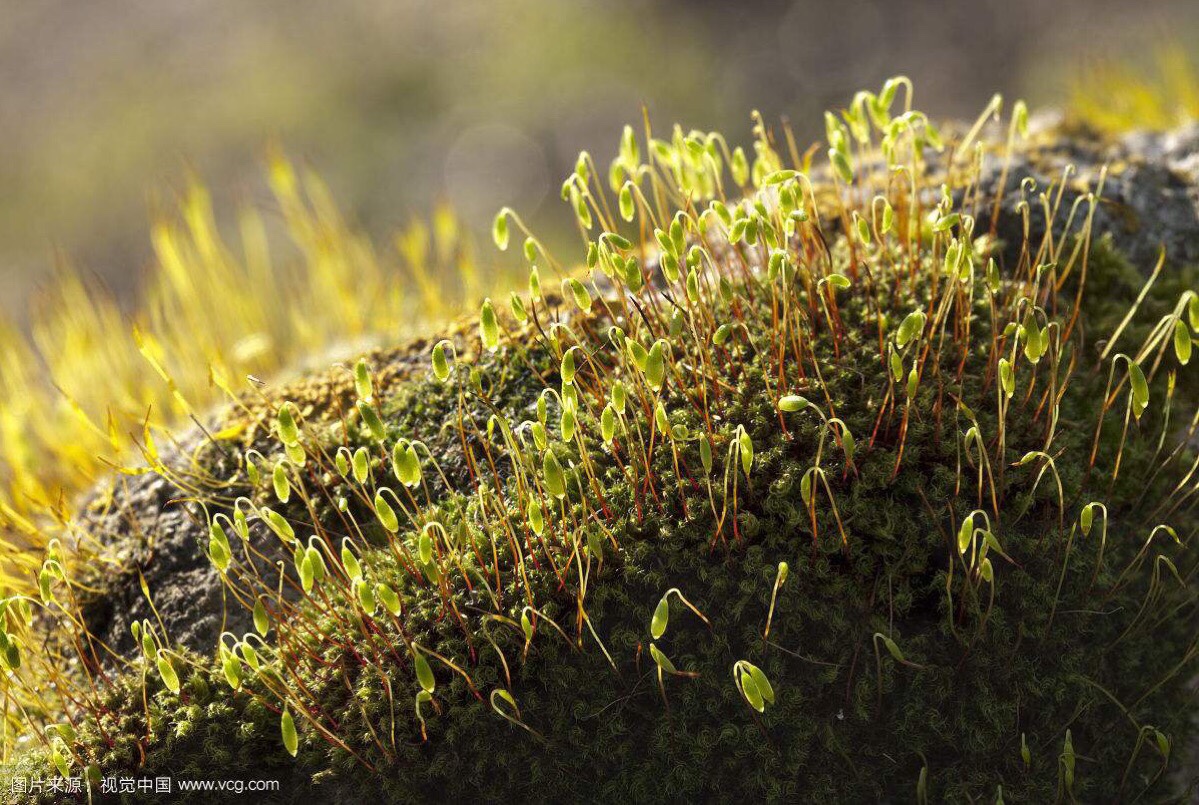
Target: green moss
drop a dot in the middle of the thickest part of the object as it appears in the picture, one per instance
(1061, 647)
(830, 736)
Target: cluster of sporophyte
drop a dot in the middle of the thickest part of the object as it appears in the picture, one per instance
(83, 390)
(1115, 97)
(809, 486)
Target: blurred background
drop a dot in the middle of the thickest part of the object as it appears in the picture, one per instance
(108, 104)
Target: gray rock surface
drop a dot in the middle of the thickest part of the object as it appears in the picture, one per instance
(1150, 197)
(155, 534)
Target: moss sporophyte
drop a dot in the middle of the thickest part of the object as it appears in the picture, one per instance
(647, 533)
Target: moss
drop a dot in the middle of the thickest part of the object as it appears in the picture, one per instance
(889, 663)
(202, 732)
(832, 735)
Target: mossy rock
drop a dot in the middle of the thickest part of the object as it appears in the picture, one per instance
(1053, 677)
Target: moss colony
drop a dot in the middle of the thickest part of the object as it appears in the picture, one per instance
(850, 488)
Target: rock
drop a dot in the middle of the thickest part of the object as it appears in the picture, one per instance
(1150, 196)
(152, 533)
